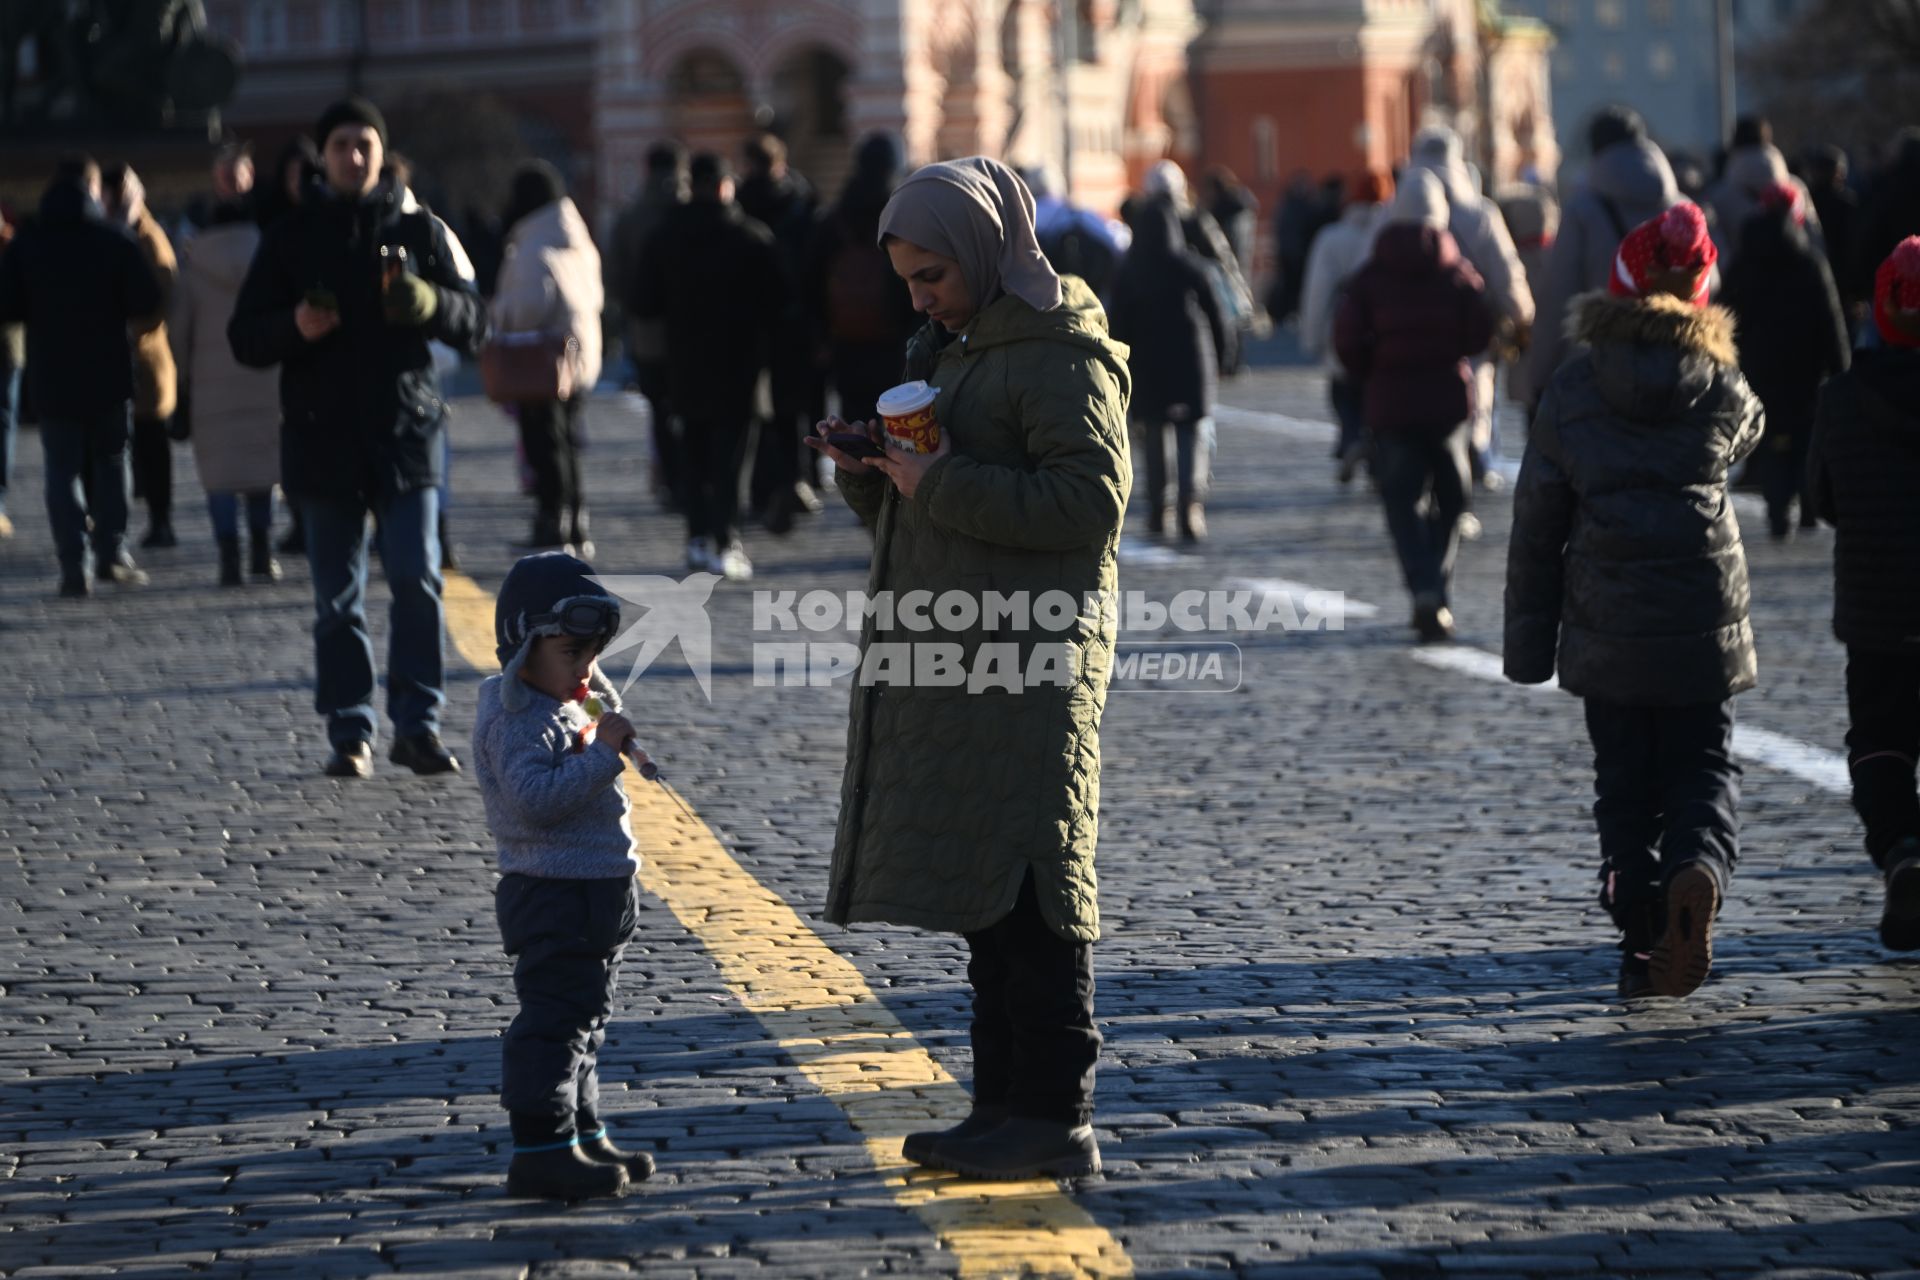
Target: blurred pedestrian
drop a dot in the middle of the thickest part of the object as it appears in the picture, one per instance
(1627, 182)
(154, 384)
(1754, 166)
(1793, 337)
(295, 173)
(1413, 320)
(864, 312)
(396, 174)
(1626, 575)
(232, 177)
(1076, 241)
(229, 411)
(1025, 491)
(550, 285)
(1889, 214)
(1166, 183)
(1236, 209)
(345, 294)
(1865, 472)
(783, 202)
(714, 278)
(1339, 251)
(82, 287)
(1481, 233)
(1297, 222)
(1165, 310)
(13, 361)
(1838, 209)
(664, 189)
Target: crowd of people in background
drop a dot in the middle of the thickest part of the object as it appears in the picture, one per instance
(1765, 308)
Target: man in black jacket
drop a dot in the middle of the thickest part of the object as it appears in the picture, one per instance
(1865, 475)
(715, 278)
(344, 294)
(78, 283)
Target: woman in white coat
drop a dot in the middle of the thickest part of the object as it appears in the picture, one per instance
(231, 411)
(550, 284)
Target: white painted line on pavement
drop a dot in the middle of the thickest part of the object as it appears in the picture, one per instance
(1824, 769)
(1147, 553)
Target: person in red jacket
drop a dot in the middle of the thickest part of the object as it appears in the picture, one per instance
(1412, 319)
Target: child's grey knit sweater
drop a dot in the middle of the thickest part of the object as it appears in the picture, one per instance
(555, 811)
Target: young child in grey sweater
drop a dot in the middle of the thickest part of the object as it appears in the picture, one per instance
(567, 902)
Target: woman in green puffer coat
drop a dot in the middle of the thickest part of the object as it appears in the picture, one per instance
(974, 806)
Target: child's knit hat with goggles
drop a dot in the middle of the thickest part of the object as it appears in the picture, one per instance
(550, 594)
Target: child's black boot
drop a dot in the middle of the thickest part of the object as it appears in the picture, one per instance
(1640, 931)
(599, 1148)
(563, 1173)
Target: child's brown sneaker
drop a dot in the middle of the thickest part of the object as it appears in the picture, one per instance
(1683, 956)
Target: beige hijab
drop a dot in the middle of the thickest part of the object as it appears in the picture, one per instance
(977, 212)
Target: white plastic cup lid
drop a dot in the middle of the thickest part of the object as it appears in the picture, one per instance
(908, 397)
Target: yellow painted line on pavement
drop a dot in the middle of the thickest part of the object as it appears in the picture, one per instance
(821, 1011)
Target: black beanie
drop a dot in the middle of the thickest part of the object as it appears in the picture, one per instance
(354, 110)
(1614, 124)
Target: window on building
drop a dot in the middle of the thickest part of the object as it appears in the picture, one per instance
(1660, 60)
(303, 24)
(1613, 66)
(439, 17)
(1610, 13)
(263, 26)
(539, 14)
(488, 16)
(1266, 149)
(1660, 12)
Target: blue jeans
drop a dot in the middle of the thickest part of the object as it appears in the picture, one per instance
(225, 510)
(101, 443)
(337, 546)
(9, 427)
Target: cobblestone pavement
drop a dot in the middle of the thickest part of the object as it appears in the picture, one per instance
(1356, 993)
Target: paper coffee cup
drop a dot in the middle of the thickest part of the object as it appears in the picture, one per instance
(906, 413)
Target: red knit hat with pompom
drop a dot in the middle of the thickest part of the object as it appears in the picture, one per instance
(1896, 295)
(1784, 195)
(1671, 253)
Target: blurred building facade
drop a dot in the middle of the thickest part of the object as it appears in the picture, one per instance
(1658, 56)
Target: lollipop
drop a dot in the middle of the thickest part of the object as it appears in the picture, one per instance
(596, 708)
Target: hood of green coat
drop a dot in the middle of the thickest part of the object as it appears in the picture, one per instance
(1079, 320)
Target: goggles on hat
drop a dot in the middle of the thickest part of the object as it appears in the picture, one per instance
(582, 616)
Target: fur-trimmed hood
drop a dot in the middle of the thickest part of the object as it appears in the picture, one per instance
(1653, 357)
(1657, 319)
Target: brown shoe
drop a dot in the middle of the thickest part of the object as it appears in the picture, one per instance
(1683, 956)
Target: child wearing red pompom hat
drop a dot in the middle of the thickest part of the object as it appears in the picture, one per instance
(1626, 574)
(1865, 476)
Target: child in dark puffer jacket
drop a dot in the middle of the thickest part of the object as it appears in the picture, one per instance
(1864, 474)
(1626, 572)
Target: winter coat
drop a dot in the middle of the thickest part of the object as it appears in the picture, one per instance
(1480, 231)
(155, 386)
(1625, 567)
(1413, 318)
(550, 282)
(951, 797)
(1626, 184)
(77, 282)
(362, 414)
(716, 280)
(1735, 198)
(1793, 335)
(646, 341)
(1864, 468)
(234, 411)
(1339, 251)
(1165, 311)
